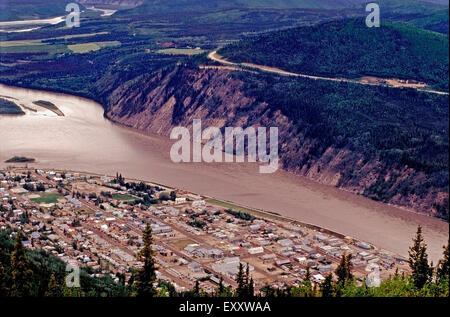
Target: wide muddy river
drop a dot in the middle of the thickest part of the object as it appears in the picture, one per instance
(84, 140)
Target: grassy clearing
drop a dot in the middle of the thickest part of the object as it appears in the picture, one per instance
(123, 197)
(73, 36)
(34, 48)
(92, 46)
(180, 51)
(20, 43)
(46, 198)
(181, 244)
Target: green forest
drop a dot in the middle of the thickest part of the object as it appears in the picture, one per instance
(401, 127)
(347, 48)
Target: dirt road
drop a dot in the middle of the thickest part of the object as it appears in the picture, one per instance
(390, 82)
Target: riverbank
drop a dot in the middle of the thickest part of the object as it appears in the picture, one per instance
(84, 140)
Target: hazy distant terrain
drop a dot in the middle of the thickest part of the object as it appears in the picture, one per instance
(350, 49)
(388, 144)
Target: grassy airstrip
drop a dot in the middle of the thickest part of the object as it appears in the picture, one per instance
(181, 51)
(44, 46)
(92, 46)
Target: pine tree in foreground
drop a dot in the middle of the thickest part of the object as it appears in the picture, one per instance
(55, 289)
(326, 288)
(344, 269)
(246, 286)
(3, 282)
(443, 267)
(422, 272)
(240, 279)
(21, 273)
(146, 276)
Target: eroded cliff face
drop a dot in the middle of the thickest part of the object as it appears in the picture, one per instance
(174, 97)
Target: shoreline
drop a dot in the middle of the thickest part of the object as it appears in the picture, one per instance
(147, 157)
(259, 213)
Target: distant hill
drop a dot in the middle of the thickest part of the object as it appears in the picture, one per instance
(152, 6)
(444, 2)
(202, 5)
(426, 14)
(347, 48)
(112, 3)
(12, 10)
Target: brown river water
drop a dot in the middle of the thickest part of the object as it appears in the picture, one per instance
(83, 140)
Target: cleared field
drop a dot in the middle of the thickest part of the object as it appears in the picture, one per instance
(181, 244)
(46, 198)
(20, 43)
(73, 36)
(92, 46)
(33, 48)
(180, 51)
(123, 197)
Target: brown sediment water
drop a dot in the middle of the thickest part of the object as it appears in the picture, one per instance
(84, 140)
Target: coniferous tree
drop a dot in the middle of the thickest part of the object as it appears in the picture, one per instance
(130, 284)
(313, 292)
(418, 261)
(55, 289)
(308, 273)
(246, 277)
(245, 283)
(3, 282)
(251, 287)
(326, 288)
(196, 291)
(344, 269)
(443, 267)
(343, 273)
(146, 275)
(349, 267)
(21, 273)
(240, 279)
(224, 291)
(221, 288)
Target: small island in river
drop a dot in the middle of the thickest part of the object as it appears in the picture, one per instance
(20, 159)
(9, 107)
(50, 106)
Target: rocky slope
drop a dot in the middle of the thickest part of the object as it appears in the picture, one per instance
(176, 96)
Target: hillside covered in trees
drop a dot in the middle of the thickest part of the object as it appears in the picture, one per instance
(25, 272)
(385, 143)
(347, 48)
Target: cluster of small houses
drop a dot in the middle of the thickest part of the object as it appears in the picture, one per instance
(289, 247)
